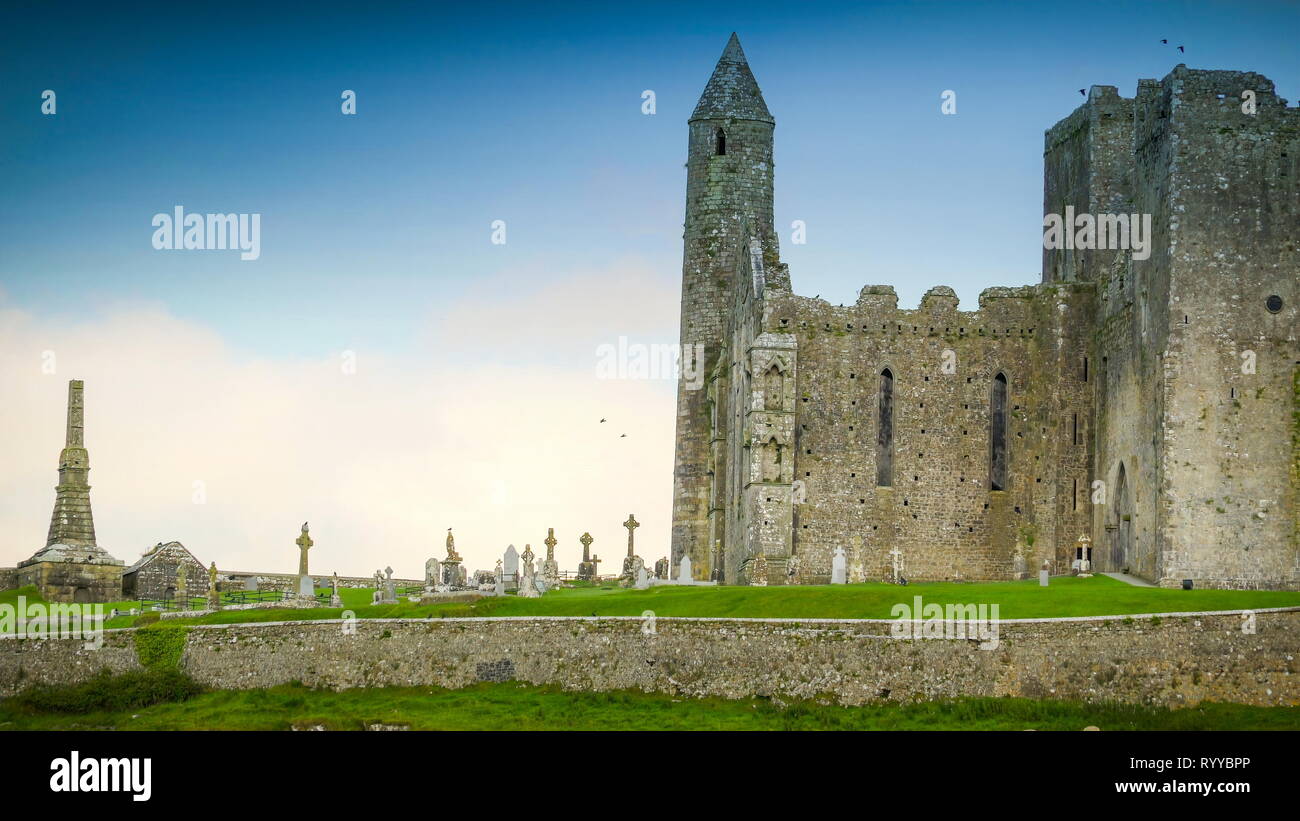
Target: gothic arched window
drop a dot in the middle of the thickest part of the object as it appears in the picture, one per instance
(720, 142)
(998, 434)
(885, 431)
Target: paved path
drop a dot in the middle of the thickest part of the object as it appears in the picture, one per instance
(1126, 578)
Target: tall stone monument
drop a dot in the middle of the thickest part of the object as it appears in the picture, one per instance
(629, 563)
(510, 568)
(550, 567)
(451, 571)
(72, 567)
(306, 587)
(587, 567)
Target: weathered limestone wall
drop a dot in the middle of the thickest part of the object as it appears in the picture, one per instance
(8, 578)
(1228, 505)
(1172, 660)
(940, 510)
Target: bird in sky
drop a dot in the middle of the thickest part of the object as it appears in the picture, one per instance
(1180, 48)
(602, 419)
(622, 436)
(1083, 93)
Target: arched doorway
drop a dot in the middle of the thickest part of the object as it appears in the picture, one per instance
(1121, 546)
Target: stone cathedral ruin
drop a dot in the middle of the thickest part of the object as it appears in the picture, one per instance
(1148, 401)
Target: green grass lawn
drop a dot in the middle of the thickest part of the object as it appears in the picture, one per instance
(1066, 596)
(513, 706)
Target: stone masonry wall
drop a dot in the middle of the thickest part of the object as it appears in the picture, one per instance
(8, 578)
(1172, 660)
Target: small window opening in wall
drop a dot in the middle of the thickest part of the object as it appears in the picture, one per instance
(1186, 321)
(1232, 393)
(1085, 369)
(720, 142)
(1074, 498)
(1074, 429)
(1273, 304)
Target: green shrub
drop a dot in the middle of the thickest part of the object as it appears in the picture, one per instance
(108, 693)
(159, 647)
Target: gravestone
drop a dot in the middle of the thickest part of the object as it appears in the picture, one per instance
(306, 589)
(1043, 574)
(684, 572)
(432, 574)
(214, 597)
(642, 578)
(661, 568)
(839, 567)
(528, 582)
(510, 568)
(550, 567)
(335, 599)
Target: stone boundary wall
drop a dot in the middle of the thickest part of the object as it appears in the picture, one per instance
(288, 582)
(1166, 659)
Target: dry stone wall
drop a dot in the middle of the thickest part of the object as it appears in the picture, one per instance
(1172, 660)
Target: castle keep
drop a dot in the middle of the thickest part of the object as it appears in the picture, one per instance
(1147, 401)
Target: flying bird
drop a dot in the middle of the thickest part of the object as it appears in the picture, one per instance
(1083, 93)
(1166, 42)
(602, 420)
(1180, 48)
(622, 436)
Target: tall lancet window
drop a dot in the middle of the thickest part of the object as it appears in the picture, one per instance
(885, 431)
(998, 434)
(720, 142)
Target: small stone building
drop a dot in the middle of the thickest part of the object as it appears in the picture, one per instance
(153, 576)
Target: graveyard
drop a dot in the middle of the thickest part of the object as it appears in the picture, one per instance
(1065, 597)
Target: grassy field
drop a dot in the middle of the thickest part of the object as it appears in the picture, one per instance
(512, 706)
(1066, 596)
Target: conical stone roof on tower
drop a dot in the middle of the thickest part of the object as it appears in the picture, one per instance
(732, 92)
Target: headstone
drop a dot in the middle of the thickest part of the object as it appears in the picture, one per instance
(642, 578)
(896, 566)
(432, 574)
(335, 599)
(1043, 574)
(587, 567)
(214, 597)
(684, 571)
(550, 567)
(510, 568)
(528, 581)
(250, 584)
(306, 588)
(839, 567)
(628, 576)
(661, 568)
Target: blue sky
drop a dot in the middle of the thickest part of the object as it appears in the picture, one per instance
(532, 115)
(474, 403)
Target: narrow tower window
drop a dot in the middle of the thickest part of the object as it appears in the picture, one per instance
(998, 434)
(885, 432)
(720, 142)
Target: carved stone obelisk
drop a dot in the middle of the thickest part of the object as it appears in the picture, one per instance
(71, 567)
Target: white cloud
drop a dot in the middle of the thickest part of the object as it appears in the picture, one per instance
(456, 433)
